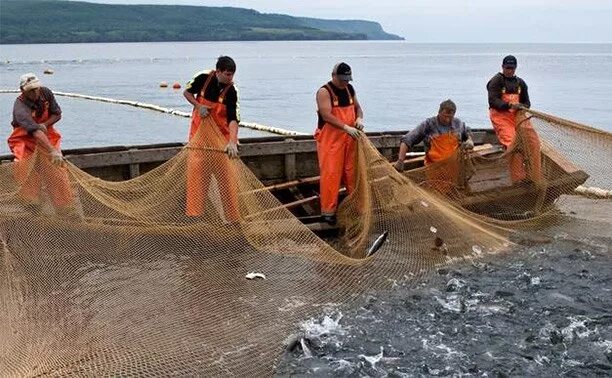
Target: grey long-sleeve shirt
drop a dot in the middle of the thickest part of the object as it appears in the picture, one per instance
(23, 109)
(431, 128)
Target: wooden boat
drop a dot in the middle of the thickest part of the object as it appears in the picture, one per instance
(288, 166)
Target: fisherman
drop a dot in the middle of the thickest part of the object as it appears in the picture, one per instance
(340, 121)
(35, 113)
(442, 135)
(508, 94)
(213, 94)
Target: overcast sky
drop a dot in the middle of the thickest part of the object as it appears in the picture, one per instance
(449, 20)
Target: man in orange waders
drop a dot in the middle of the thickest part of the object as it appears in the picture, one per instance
(442, 136)
(507, 95)
(213, 94)
(340, 121)
(35, 112)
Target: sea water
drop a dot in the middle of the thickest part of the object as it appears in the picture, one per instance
(398, 83)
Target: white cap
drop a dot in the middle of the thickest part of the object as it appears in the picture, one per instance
(29, 81)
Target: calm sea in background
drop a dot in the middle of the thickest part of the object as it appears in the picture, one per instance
(398, 83)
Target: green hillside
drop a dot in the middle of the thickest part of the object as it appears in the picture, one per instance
(54, 21)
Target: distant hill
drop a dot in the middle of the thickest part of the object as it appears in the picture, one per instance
(372, 30)
(55, 21)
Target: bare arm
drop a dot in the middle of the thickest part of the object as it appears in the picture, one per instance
(325, 109)
(53, 119)
(190, 98)
(413, 137)
(524, 98)
(233, 129)
(403, 151)
(358, 109)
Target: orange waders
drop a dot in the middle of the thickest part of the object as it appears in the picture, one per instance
(444, 176)
(524, 150)
(32, 175)
(336, 153)
(205, 158)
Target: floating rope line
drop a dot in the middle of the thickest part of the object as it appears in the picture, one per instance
(593, 192)
(157, 108)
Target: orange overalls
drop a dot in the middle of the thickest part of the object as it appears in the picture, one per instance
(206, 158)
(32, 175)
(336, 152)
(445, 175)
(523, 146)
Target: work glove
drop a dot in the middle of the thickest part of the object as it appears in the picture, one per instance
(231, 149)
(57, 158)
(359, 124)
(399, 166)
(203, 110)
(351, 131)
(468, 144)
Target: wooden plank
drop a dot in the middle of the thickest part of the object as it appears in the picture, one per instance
(290, 170)
(122, 157)
(553, 155)
(284, 206)
(266, 156)
(307, 206)
(286, 185)
(560, 186)
(134, 169)
(317, 227)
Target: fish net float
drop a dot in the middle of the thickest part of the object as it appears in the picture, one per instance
(161, 109)
(590, 191)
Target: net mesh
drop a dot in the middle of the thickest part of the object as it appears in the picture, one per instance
(114, 278)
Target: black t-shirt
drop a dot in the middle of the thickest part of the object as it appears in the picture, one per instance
(511, 85)
(343, 98)
(214, 89)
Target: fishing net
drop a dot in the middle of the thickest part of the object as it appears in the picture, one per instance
(549, 159)
(147, 277)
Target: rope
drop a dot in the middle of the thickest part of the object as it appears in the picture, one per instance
(569, 124)
(593, 192)
(157, 108)
(581, 190)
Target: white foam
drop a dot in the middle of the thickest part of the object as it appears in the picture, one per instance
(453, 303)
(373, 360)
(578, 327)
(327, 326)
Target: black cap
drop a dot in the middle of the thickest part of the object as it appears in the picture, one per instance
(509, 62)
(343, 71)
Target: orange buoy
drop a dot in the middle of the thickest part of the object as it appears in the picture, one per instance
(163, 84)
(48, 71)
(176, 85)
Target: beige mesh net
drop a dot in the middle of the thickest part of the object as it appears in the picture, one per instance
(114, 278)
(549, 158)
